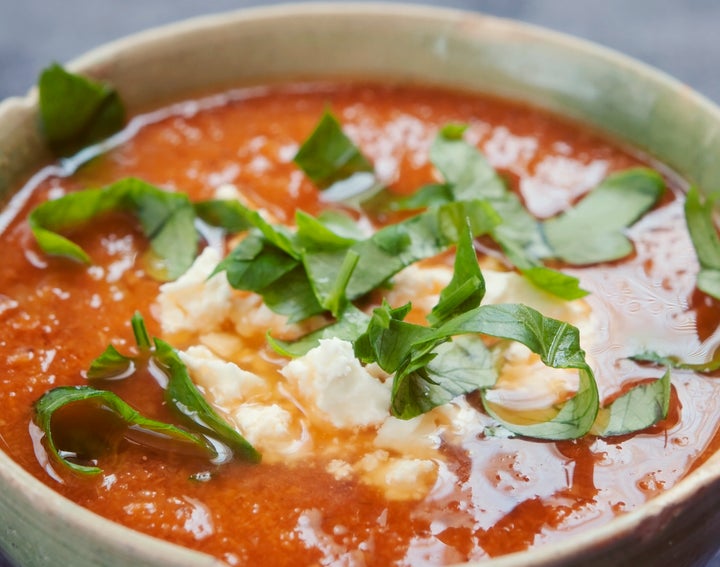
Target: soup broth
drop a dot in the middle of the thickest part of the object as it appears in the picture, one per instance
(484, 494)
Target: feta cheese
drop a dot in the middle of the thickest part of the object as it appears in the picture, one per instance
(419, 436)
(252, 318)
(193, 303)
(226, 383)
(400, 478)
(341, 470)
(267, 427)
(335, 387)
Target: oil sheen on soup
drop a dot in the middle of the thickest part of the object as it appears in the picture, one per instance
(342, 481)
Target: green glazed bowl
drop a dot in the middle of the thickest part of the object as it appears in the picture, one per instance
(632, 103)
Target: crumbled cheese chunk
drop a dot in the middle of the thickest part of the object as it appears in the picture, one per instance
(336, 387)
(341, 470)
(224, 345)
(400, 478)
(267, 427)
(194, 303)
(417, 436)
(251, 317)
(225, 382)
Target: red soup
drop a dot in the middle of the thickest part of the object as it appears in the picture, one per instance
(345, 476)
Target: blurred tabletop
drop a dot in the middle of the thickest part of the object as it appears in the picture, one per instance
(677, 36)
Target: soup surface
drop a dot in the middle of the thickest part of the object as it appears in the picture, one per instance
(466, 494)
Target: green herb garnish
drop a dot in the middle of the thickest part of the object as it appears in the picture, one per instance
(593, 230)
(181, 394)
(75, 111)
(83, 445)
(335, 164)
(711, 365)
(699, 218)
(637, 409)
(166, 218)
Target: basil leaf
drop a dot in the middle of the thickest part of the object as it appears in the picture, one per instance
(223, 214)
(235, 215)
(558, 345)
(140, 332)
(433, 379)
(470, 176)
(638, 409)
(111, 365)
(314, 234)
(337, 299)
(341, 224)
(463, 366)
(166, 219)
(333, 162)
(467, 287)
(413, 391)
(293, 296)
(592, 231)
(351, 324)
(704, 236)
(183, 396)
(711, 365)
(132, 425)
(554, 282)
(395, 247)
(389, 340)
(75, 111)
(430, 195)
(254, 264)
(557, 283)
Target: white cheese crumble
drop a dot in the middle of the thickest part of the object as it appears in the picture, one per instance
(224, 381)
(194, 303)
(267, 427)
(333, 385)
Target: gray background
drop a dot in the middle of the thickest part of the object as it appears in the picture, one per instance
(679, 37)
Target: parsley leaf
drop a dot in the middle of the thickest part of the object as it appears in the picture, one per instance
(75, 111)
(699, 219)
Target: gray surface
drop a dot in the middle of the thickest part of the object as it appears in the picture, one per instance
(679, 37)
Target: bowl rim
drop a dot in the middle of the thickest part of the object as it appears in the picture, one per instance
(166, 553)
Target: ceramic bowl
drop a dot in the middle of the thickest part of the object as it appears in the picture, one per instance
(631, 102)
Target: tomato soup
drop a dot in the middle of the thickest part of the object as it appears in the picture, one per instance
(484, 493)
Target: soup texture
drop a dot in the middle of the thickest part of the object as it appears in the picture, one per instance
(344, 479)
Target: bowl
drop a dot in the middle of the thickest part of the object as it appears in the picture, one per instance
(629, 101)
